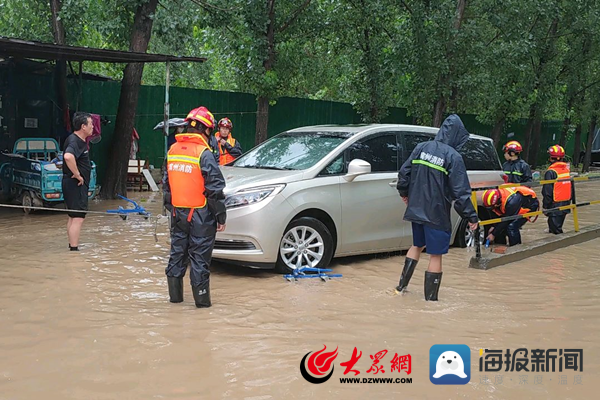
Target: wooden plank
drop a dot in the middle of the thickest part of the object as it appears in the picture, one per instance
(150, 180)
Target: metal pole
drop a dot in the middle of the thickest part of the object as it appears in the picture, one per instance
(166, 116)
(79, 95)
(575, 216)
(477, 243)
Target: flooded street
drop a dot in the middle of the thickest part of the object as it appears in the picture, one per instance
(98, 325)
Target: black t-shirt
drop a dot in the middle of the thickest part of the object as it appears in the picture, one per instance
(78, 147)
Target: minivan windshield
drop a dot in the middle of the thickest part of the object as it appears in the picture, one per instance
(292, 150)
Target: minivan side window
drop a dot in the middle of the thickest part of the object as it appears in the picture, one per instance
(336, 167)
(411, 140)
(480, 155)
(380, 151)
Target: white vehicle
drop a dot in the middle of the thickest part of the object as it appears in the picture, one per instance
(317, 192)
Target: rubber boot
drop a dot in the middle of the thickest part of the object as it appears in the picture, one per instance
(202, 294)
(432, 285)
(407, 272)
(175, 289)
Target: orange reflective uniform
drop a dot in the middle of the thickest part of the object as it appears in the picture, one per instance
(183, 167)
(508, 192)
(562, 190)
(225, 157)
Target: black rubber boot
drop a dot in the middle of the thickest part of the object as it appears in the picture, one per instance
(202, 294)
(432, 285)
(407, 272)
(175, 289)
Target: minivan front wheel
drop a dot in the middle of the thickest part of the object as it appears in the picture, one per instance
(306, 243)
(466, 237)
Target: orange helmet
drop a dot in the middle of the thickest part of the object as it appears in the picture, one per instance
(200, 115)
(556, 151)
(513, 146)
(225, 123)
(491, 198)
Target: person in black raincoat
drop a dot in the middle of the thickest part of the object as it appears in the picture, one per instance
(515, 168)
(433, 176)
(193, 185)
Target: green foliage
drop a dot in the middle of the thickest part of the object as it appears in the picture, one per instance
(508, 57)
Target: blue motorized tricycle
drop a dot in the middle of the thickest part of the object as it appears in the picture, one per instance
(32, 174)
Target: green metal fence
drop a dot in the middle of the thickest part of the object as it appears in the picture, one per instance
(103, 97)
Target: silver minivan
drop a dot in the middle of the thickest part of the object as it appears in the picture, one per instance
(317, 192)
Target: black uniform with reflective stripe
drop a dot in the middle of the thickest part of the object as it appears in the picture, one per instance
(435, 175)
(193, 231)
(518, 171)
(556, 219)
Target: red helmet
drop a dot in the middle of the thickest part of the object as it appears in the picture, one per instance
(491, 198)
(225, 123)
(200, 115)
(556, 151)
(513, 146)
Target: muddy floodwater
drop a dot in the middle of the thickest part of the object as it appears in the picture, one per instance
(98, 325)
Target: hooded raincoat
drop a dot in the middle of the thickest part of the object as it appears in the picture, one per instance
(434, 176)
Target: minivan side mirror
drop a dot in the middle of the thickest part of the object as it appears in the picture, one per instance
(356, 168)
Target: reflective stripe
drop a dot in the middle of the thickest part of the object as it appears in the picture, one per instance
(430, 165)
(185, 159)
(513, 173)
(490, 195)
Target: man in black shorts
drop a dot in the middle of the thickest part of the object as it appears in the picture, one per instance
(77, 170)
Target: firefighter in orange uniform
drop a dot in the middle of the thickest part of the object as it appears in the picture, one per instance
(557, 194)
(229, 148)
(506, 203)
(193, 186)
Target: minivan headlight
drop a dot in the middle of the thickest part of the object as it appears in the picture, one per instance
(246, 197)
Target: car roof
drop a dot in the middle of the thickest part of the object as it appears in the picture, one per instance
(360, 128)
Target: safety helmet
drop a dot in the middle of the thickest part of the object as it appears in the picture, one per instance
(200, 115)
(491, 198)
(225, 123)
(556, 151)
(513, 146)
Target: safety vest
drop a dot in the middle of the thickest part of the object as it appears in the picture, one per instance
(562, 190)
(508, 193)
(183, 167)
(225, 157)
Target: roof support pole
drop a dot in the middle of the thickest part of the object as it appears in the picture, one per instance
(79, 95)
(166, 116)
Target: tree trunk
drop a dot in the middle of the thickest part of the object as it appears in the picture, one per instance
(441, 103)
(115, 181)
(374, 112)
(535, 141)
(566, 122)
(528, 129)
(58, 31)
(262, 117)
(577, 150)
(497, 130)
(587, 160)
(262, 120)
(565, 130)
(438, 111)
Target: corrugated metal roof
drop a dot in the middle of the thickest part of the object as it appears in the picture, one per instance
(10, 47)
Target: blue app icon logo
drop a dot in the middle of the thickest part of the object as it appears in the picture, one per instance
(450, 364)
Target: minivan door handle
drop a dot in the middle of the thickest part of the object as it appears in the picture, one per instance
(393, 183)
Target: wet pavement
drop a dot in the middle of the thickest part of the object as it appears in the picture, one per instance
(98, 325)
